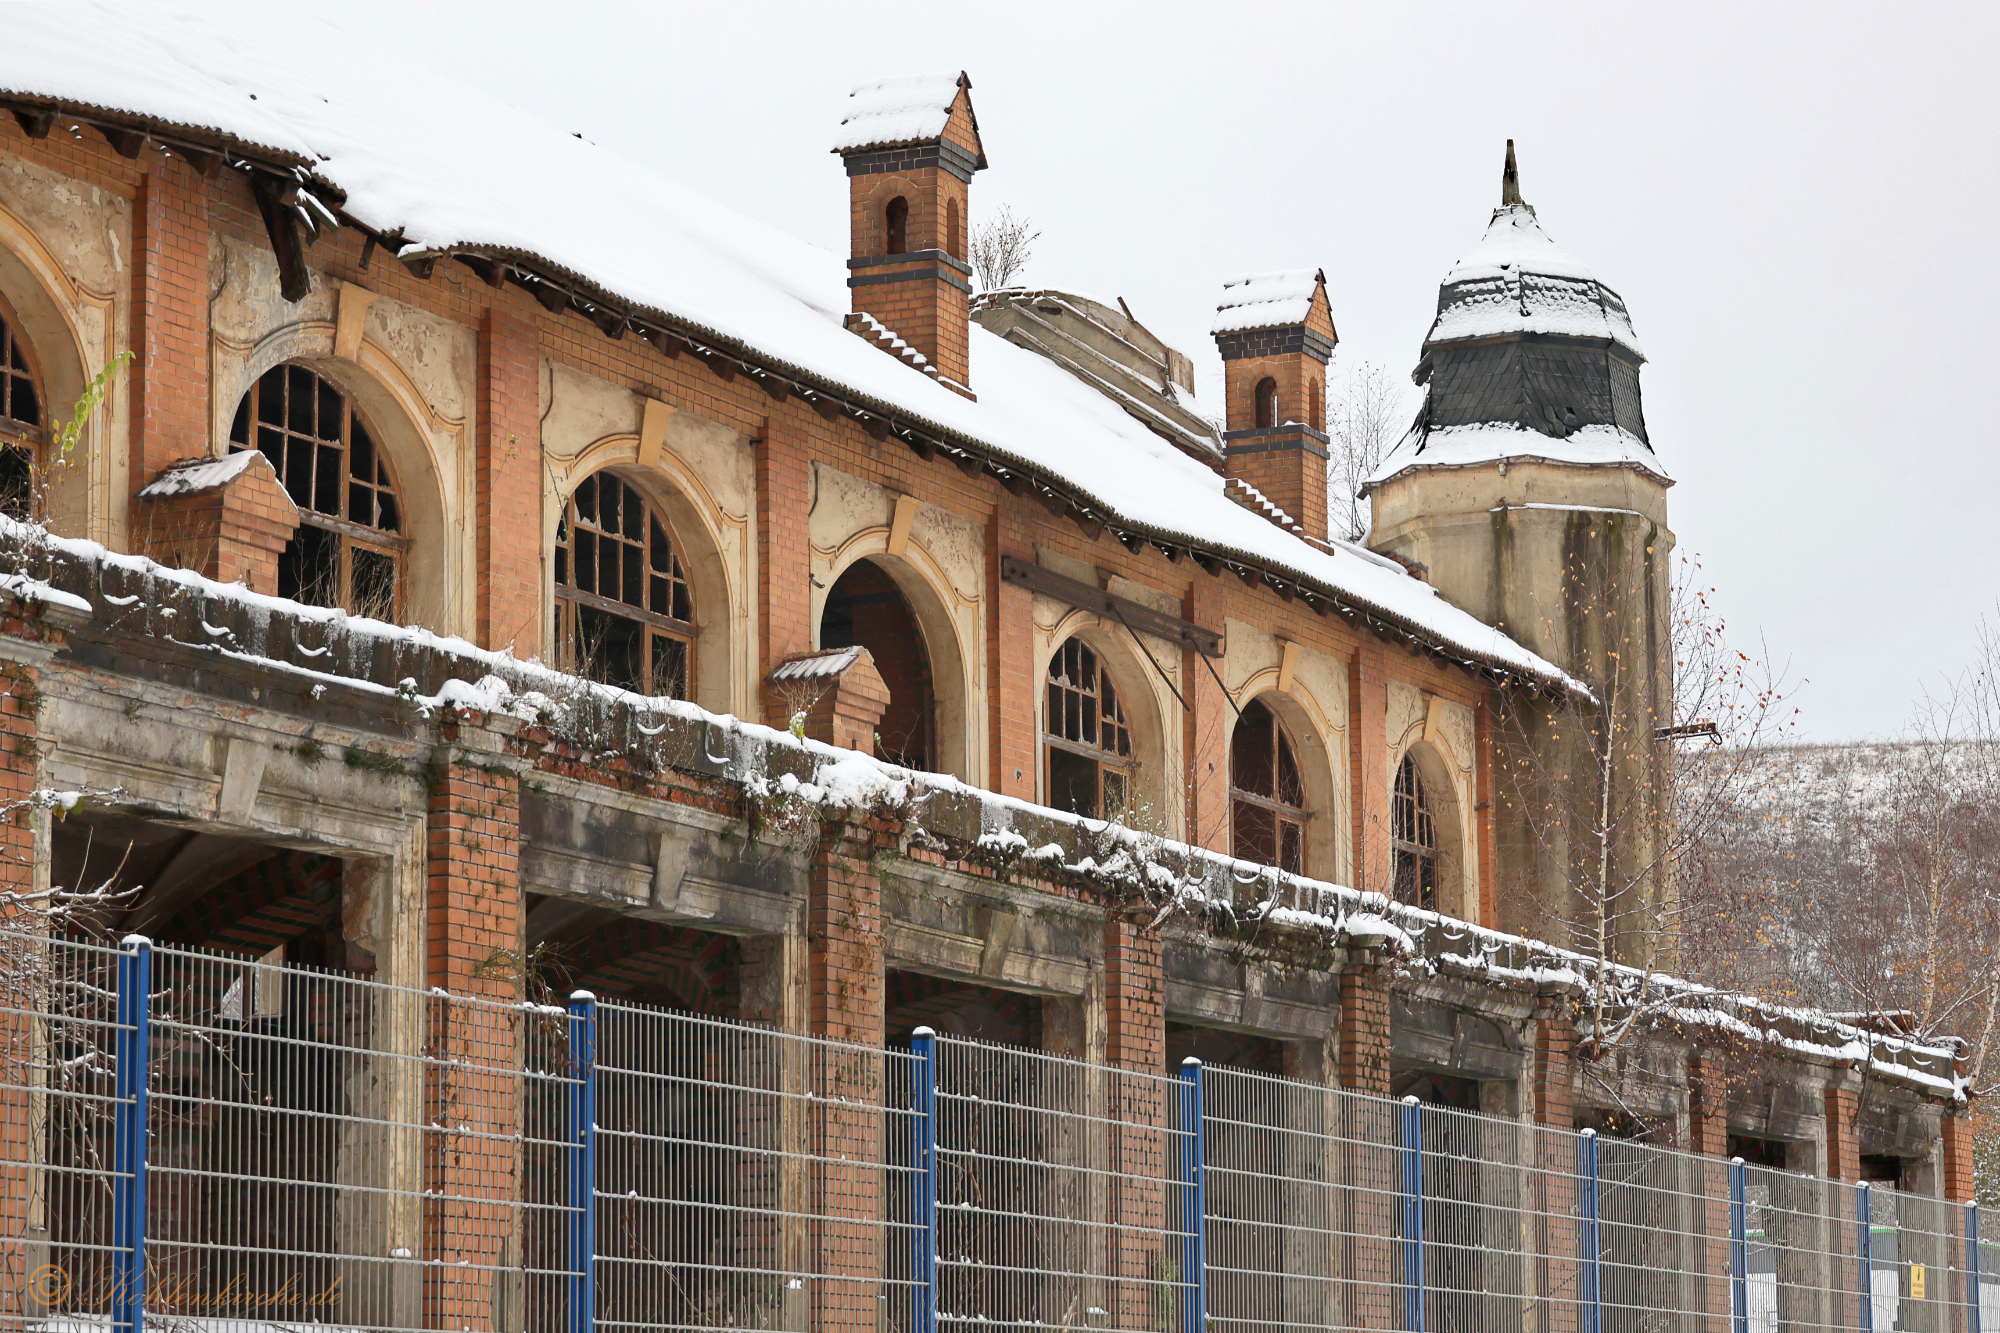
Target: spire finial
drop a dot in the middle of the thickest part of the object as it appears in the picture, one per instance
(1510, 180)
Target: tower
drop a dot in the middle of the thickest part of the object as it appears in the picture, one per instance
(911, 146)
(1529, 492)
(1275, 332)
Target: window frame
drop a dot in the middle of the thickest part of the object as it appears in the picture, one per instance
(352, 536)
(567, 597)
(1412, 851)
(1296, 816)
(1123, 766)
(16, 433)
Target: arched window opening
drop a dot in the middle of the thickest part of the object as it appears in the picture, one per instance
(865, 607)
(954, 238)
(896, 223)
(1088, 741)
(1414, 836)
(1267, 792)
(349, 549)
(21, 421)
(1267, 402)
(624, 606)
(1315, 405)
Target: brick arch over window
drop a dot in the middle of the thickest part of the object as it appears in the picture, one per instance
(896, 226)
(1131, 751)
(352, 546)
(625, 602)
(1267, 401)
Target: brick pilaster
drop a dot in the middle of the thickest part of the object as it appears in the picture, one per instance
(472, 1034)
(169, 374)
(1956, 1129)
(1368, 767)
(1484, 823)
(509, 477)
(1143, 1108)
(233, 533)
(1708, 1105)
(784, 560)
(1011, 688)
(1843, 1136)
(1208, 722)
(1708, 1134)
(1364, 1024)
(1555, 1067)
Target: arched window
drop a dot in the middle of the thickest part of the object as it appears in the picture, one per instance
(1088, 743)
(624, 606)
(1414, 836)
(1267, 792)
(896, 223)
(21, 420)
(349, 549)
(1267, 402)
(954, 239)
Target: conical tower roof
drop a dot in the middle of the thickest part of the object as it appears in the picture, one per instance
(1530, 355)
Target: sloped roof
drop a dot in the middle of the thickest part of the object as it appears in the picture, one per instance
(1266, 300)
(1518, 280)
(443, 165)
(889, 112)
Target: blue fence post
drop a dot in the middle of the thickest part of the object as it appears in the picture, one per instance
(583, 1162)
(128, 1199)
(1972, 1268)
(1592, 1313)
(1864, 1255)
(1413, 1215)
(923, 1183)
(1739, 1247)
(1194, 1202)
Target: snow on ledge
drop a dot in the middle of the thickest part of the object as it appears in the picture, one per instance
(1501, 441)
(201, 474)
(887, 112)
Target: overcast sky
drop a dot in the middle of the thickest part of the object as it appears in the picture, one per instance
(1797, 203)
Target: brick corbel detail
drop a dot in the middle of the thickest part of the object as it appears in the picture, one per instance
(840, 692)
(233, 532)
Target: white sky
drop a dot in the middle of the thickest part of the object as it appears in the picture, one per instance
(1796, 203)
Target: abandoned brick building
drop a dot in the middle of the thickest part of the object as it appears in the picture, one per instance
(400, 445)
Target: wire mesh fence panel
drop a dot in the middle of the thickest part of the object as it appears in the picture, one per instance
(58, 1107)
(1271, 1202)
(749, 1179)
(1474, 1249)
(1933, 1282)
(1985, 1226)
(1367, 1214)
(1659, 1214)
(1059, 1194)
(1801, 1257)
(1556, 1275)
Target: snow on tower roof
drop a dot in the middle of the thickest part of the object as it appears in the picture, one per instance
(443, 165)
(887, 112)
(1267, 300)
(1518, 280)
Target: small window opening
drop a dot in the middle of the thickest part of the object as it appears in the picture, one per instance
(349, 549)
(20, 422)
(1315, 405)
(1267, 402)
(624, 606)
(1414, 836)
(954, 238)
(896, 223)
(1087, 740)
(1267, 792)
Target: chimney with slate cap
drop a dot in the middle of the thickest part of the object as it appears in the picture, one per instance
(1275, 332)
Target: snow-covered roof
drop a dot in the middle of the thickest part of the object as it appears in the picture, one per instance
(1518, 280)
(442, 164)
(817, 666)
(1266, 300)
(887, 112)
(1492, 442)
(201, 474)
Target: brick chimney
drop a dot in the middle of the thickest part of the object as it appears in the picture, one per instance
(911, 146)
(1276, 335)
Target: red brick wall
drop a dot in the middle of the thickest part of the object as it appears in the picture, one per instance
(169, 384)
(1843, 1137)
(232, 533)
(1368, 767)
(1555, 1069)
(930, 314)
(1207, 724)
(510, 536)
(1957, 1131)
(1364, 1026)
(1292, 478)
(474, 933)
(784, 559)
(1013, 687)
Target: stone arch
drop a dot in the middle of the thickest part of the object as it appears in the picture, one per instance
(1458, 878)
(56, 315)
(1319, 761)
(1156, 778)
(402, 423)
(955, 678)
(689, 509)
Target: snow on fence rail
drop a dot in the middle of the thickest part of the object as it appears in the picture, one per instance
(309, 1148)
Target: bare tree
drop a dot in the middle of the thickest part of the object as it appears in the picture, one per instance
(1617, 796)
(1363, 418)
(1001, 248)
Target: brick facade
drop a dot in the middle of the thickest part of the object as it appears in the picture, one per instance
(233, 533)
(170, 277)
(509, 472)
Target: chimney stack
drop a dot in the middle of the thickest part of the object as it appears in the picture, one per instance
(911, 146)
(1276, 335)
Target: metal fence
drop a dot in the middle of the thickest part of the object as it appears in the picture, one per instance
(210, 1142)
